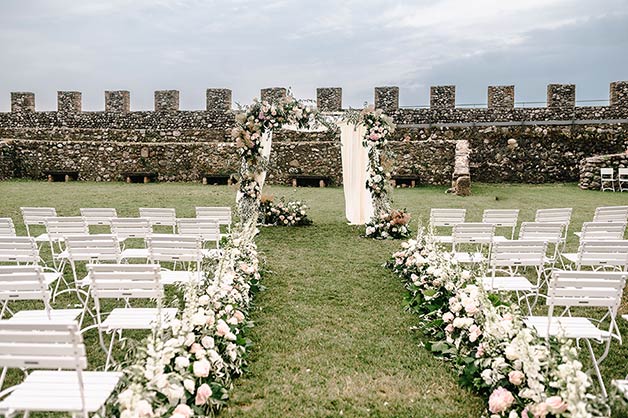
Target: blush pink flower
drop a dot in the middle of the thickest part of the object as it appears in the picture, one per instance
(183, 410)
(556, 405)
(500, 400)
(516, 377)
(202, 394)
(201, 368)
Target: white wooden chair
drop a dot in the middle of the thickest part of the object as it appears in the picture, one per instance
(551, 233)
(28, 282)
(471, 240)
(602, 231)
(207, 229)
(7, 229)
(221, 214)
(160, 217)
(607, 179)
(57, 230)
(611, 214)
(98, 216)
(54, 350)
(132, 228)
(24, 251)
(600, 255)
(92, 249)
(37, 216)
(582, 289)
(556, 215)
(622, 179)
(446, 218)
(127, 281)
(508, 264)
(502, 218)
(182, 250)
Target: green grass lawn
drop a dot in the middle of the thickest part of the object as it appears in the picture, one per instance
(332, 337)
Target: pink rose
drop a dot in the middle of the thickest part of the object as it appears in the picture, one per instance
(183, 410)
(471, 308)
(202, 394)
(516, 377)
(239, 316)
(500, 400)
(201, 368)
(540, 410)
(449, 328)
(222, 328)
(556, 405)
(448, 317)
(195, 348)
(144, 409)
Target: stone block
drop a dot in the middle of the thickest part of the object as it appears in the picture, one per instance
(167, 100)
(387, 99)
(619, 94)
(218, 99)
(329, 99)
(442, 97)
(69, 101)
(273, 94)
(501, 97)
(22, 101)
(561, 96)
(118, 101)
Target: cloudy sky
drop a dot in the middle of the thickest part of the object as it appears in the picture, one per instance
(244, 45)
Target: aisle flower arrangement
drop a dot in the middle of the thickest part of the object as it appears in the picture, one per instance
(282, 213)
(484, 337)
(389, 225)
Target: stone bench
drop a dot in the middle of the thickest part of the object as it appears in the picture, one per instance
(140, 177)
(311, 181)
(219, 179)
(404, 181)
(61, 175)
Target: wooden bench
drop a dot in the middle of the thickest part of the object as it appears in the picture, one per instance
(310, 181)
(404, 181)
(140, 177)
(61, 175)
(219, 179)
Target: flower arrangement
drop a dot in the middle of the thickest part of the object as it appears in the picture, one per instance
(484, 337)
(291, 213)
(392, 225)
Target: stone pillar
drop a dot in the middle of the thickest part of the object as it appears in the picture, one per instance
(218, 99)
(561, 96)
(273, 94)
(69, 101)
(22, 101)
(619, 94)
(118, 101)
(442, 97)
(501, 97)
(387, 99)
(329, 99)
(166, 100)
(461, 177)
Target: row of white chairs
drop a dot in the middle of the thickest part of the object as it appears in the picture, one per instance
(608, 179)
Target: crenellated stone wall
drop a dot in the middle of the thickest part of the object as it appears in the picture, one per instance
(505, 143)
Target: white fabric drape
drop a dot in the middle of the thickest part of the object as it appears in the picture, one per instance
(358, 201)
(266, 144)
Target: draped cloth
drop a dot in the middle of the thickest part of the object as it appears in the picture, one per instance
(355, 161)
(266, 144)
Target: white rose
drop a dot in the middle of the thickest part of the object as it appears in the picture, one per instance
(189, 385)
(207, 342)
(181, 362)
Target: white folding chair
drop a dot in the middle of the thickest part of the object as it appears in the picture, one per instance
(37, 216)
(508, 264)
(221, 214)
(92, 249)
(502, 218)
(600, 255)
(611, 214)
(207, 229)
(602, 231)
(57, 230)
(582, 289)
(132, 228)
(28, 282)
(622, 178)
(7, 229)
(24, 250)
(59, 382)
(476, 235)
(98, 216)
(184, 250)
(556, 215)
(446, 218)
(607, 177)
(127, 281)
(160, 217)
(551, 233)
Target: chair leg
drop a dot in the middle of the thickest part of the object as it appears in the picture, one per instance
(110, 351)
(596, 366)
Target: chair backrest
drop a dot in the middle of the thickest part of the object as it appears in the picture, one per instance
(603, 254)
(586, 289)
(602, 231)
(207, 229)
(7, 229)
(174, 248)
(26, 282)
(126, 281)
(611, 214)
(37, 216)
(607, 172)
(42, 345)
(447, 217)
(473, 233)
(542, 231)
(99, 216)
(222, 214)
(93, 248)
(124, 228)
(501, 217)
(60, 227)
(159, 216)
(18, 250)
(554, 215)
(518, 253)
(623, 173)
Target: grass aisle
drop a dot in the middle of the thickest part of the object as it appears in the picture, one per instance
(331, 336)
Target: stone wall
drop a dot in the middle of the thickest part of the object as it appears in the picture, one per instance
(590, 169)
(7, 160)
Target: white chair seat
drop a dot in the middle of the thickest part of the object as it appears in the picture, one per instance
(463, 257)
(508, 283)
(134, 253)
(51, 277)
(444, 239)
(45, 390)
(172, 277)
(500, 238)
(42, 238)
(64, 315)
(578, 234)
(571, 257)
(136, 318)
(568, 327)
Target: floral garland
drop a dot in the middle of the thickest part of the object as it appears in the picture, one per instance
(292, 213)
(484, 337)
(386, 223)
